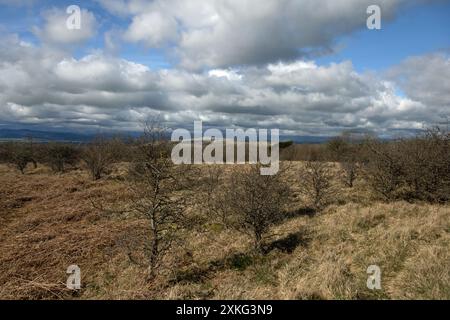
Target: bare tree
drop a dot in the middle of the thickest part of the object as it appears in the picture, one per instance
(427, 165)
(216, 197)
(156, 185)
(19, 155)
(411, 169)
(345, 150)
(336, 148)
(98, 155)
(59, 155)
(256, 201)
(316, 183)
(350, 171)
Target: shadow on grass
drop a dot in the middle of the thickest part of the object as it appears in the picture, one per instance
(237, 261)
(288, 244)
(242, 260)
(301, 212)
(193, 275)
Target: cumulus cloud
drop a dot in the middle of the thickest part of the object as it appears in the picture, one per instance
(224, 33)
(426, 79)
(246, 63)
(43, 85)
(124, 7)
(152, 28)
(55, 31)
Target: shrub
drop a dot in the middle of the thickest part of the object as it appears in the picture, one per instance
(4, 153)
(411, 169)
(426, 162)
(216, 197)
(316, 183)
(303, 152)
(58, 156)
(345, 149)
(98, 155)
(19, 155)
(350, 170)
(286, 144)
(384, 168)
(154, 182)
(337, 148)
(256, 201)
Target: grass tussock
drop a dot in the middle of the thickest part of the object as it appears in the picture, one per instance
(48, 222)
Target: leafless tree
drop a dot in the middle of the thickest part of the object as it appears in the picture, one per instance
(19, 155)
(59, 155)
(157, 187)
(98, 155)
(257, 201)
(411, 169)
(345, 149)
(350, 171)
(316, 183)
(384, 167)
(216, 198)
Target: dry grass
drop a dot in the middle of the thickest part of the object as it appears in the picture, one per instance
(47, 222)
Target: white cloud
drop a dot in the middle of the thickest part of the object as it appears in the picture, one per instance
(426, 79)
(49, 87)
(152, 28)
(55, 31)
(225, 33)
(228, 74)
(124, 7)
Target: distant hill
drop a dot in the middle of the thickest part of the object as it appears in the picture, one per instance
(306, 139)
(21, 134)
(45, 136)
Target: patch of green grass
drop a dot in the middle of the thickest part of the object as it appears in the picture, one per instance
(240, 261)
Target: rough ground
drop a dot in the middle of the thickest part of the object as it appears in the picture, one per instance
(48, 222)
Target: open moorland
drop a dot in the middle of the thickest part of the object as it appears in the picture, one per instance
(225, 232)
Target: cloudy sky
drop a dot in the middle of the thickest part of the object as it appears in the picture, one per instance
(307, 67)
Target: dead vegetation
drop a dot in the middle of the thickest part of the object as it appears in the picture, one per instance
(159, 231)
(316, 183)
(257, 202)
(155, 185)
(100, 154)
(415, 169)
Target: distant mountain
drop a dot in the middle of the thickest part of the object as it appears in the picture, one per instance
(45, 136)
(38, 135)
(306, 139)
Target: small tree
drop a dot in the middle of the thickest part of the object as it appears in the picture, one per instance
(316, 183)
(337, 147)
(257, 202)
(350, 164)
(350, 171)
(216, 197)
(60, 155)
(411, 169)
(345, 150)
(4, 153)
(384, 168)
(98, 155)
(20, 160)
(427, 166)
(19, 155)
(155, 183)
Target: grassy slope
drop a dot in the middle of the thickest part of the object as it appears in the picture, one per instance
(47, 223)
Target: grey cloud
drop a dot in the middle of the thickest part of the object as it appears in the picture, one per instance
(41, 85)
(55, 32)
(224, 33)
(426, 79)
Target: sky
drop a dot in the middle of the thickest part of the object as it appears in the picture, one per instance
(306, 67)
